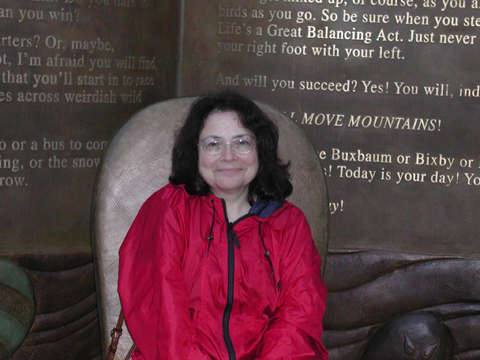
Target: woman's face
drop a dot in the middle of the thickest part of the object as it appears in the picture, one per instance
(227, 155)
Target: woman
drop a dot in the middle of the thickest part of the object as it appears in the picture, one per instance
(217, 265)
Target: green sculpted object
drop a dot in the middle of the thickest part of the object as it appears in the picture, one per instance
(17, 307)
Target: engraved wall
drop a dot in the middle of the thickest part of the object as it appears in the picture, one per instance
(71, 73)
(385, 89)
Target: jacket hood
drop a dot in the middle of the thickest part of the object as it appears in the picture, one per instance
(260, 211)
(263, 209)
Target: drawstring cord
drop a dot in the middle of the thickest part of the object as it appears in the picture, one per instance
(267, 253)
(210, 234)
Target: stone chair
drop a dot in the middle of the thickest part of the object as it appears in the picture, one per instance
(137, 163)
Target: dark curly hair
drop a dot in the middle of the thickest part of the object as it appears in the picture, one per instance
(272, 181)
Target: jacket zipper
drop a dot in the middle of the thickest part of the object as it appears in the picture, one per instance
(232, 240)
(229, 304)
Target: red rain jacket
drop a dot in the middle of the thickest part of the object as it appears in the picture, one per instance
(194, 286)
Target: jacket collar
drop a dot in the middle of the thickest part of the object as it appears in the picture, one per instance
(261, 209)
(264, 208)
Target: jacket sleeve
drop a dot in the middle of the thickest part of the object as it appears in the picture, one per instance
(151, 284)
(295, 331)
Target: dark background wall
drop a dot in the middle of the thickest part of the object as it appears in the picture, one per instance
(392, 117)
(71, 73)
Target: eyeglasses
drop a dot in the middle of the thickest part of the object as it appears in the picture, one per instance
(240, 145)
